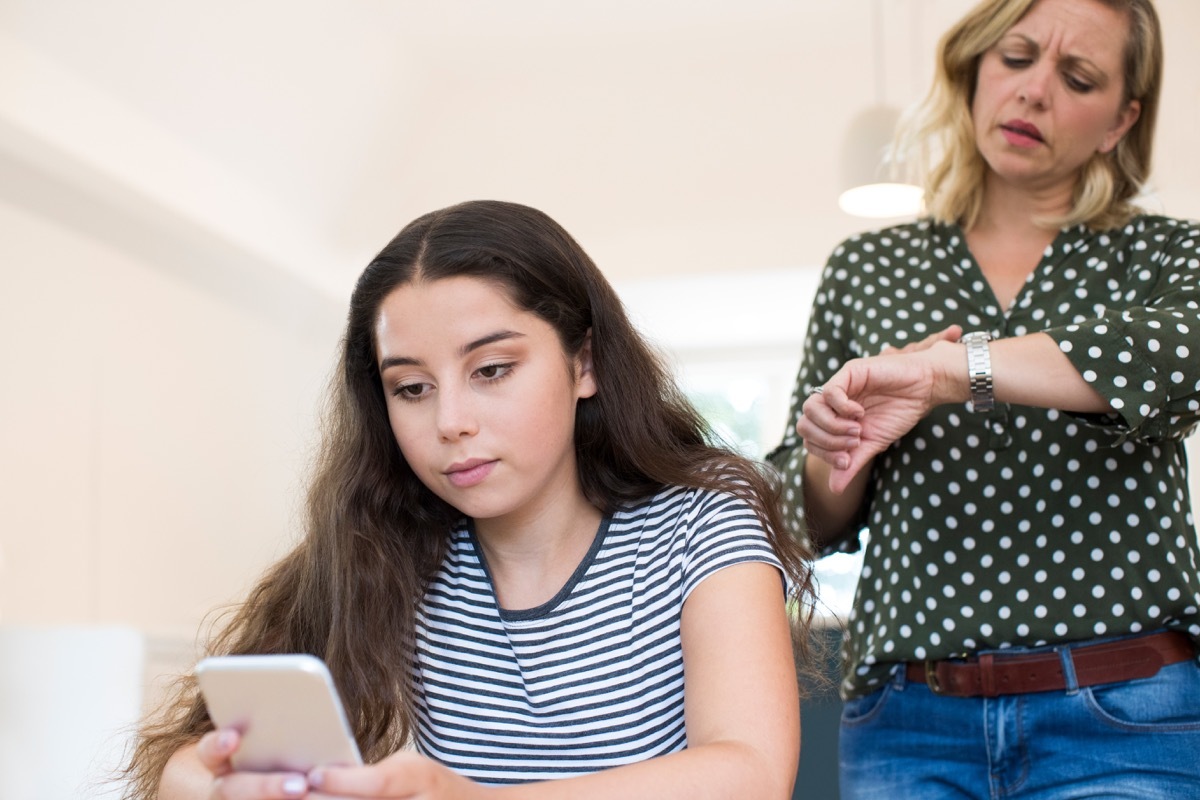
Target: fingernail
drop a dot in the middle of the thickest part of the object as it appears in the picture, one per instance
(843, 462)
(316, 778)
(295, 786)
(225, 740)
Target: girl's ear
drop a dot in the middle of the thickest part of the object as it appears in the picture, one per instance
(585, 376)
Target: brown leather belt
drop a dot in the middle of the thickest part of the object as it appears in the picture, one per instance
(995, 674)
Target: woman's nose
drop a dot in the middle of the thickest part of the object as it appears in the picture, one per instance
(1035, 87)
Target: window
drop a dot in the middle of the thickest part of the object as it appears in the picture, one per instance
(734, 343)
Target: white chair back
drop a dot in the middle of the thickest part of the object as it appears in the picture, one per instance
(69, 698)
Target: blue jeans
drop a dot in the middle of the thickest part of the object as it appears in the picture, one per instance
(1139, 740)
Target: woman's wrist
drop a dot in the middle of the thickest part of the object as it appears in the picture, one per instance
(979, 370)
(950, 376)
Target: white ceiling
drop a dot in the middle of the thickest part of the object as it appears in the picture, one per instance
(670, 137)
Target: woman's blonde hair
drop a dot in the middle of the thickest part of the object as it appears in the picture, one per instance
(937, 141)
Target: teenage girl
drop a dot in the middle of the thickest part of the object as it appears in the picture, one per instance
(530, 572)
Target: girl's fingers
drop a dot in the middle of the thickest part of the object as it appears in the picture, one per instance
(214, 751)
(374, 781)
(401, 775)
(215, 748)
(260, 786)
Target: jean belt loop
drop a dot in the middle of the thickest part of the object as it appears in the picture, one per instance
(899, 679)
(1068, 668)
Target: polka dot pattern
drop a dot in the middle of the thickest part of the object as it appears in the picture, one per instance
(1022, 526)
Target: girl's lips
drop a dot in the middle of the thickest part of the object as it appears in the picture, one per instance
(469, 473)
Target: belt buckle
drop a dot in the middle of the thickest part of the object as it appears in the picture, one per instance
(931, 678)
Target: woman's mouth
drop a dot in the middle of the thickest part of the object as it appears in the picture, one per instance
(465, 474)
(1021, 133)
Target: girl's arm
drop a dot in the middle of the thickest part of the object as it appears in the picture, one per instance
(742, 715)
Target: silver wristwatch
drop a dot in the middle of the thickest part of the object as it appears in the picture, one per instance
(979, 370)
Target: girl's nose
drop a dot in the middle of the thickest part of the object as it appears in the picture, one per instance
(455, 416)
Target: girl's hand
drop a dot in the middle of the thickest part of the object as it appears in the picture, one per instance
(400, 776)
(214, 751)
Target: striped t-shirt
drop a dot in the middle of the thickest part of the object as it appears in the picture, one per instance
(591, 679)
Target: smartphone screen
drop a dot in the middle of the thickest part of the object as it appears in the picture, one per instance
(286, 708)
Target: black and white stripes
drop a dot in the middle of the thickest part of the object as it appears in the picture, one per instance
(591, 679)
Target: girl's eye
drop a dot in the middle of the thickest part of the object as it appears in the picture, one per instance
(494, 372)
(410, 392)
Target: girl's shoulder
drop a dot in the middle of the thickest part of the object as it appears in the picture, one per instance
(673, 506)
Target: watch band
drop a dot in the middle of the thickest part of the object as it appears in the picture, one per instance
(979, 370)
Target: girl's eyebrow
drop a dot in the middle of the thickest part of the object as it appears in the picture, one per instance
(406, 361)
(498, 336)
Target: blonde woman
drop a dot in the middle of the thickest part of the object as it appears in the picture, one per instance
(998, 395)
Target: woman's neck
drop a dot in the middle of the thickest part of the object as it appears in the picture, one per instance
(1007, 241)
(1014, 210)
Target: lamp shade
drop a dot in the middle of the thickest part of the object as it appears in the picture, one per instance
(867, 188)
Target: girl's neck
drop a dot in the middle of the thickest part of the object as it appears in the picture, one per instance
(531, 558)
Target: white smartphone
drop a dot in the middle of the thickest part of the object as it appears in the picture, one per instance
(286, 708)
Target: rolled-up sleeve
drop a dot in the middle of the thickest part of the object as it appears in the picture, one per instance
(1143, 358)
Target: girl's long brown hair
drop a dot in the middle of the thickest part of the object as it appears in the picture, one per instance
(375, 535)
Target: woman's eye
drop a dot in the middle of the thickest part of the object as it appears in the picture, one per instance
(1078, 84)
(1015, 62)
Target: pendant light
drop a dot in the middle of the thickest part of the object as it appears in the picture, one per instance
(866, 165)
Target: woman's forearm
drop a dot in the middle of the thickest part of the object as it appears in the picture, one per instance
(829, 515)
(872, 402)
(1032, 371)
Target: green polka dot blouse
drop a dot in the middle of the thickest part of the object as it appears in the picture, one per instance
(1021, 526)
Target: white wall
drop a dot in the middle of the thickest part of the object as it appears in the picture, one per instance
(154, 430)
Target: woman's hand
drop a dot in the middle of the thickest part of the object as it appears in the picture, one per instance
(203, 771)
(401, 776)
(871, 402)
(950, 334)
